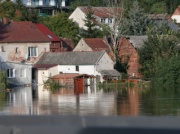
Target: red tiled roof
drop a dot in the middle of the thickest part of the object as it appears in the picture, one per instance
(44, 66)
(96, 44)
(102, 12)
(177, 11)
(21, 32)
(47, 32)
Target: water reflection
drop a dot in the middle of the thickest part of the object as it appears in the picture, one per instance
(124, 102)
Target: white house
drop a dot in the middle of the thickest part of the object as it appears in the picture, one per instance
(101, 14)
(91, 63)
(176, 15)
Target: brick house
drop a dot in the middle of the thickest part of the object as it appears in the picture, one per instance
(127, 50)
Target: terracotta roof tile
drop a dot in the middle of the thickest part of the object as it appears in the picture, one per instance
(177, 11)
(22, 32)
(96, 44)
(102, 12)
(47, 32)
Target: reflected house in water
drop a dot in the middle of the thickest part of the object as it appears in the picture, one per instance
(90, 63)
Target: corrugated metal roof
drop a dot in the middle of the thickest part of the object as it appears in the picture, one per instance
(21, 32)
(71, 58)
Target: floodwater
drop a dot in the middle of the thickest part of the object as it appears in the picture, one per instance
(125, 102)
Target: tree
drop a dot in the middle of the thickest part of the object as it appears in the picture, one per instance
(167, 74)
(7, 10)
(90, 31)
(161, 44)
(137, 20)
(62, 26)
(159, 7)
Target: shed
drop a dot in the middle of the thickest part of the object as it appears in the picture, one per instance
(110, 74)
(83, 81)
(65, 79)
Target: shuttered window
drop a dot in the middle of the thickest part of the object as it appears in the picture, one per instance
(11, 73)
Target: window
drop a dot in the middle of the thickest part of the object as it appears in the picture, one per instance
(11, 73)
(16, 51)
(109, 20)
(32, 51)
(102, 20)
(22, 72)
(77, 68)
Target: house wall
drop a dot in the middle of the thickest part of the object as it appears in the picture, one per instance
(26, 79)
(22, 50)
(129, 54)
(83, 69)
(78, 17)
(176, 18)
(44, 74)
(82, 46)
(105, 63)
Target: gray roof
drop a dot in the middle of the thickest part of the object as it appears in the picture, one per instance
(137, 41)
(71, 58)
(170, 24)
(112, 72)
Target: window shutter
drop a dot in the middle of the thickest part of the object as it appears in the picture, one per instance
(7, 72)
(13, 73)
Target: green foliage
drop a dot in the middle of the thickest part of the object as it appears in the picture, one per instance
(137, 21)
(3, 82)
(91, 31)
(161, 44)
(61, 26)
(159, 7)
(52, 85)
(95, 3)
(17, 11)
(167, 74)
(7, 10)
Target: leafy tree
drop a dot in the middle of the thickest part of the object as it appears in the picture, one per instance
(91, 31)
(7, 10)
(161, 44)
(62, 26)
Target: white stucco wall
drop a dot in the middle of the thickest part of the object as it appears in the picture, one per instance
(44, 74)
(83, 69)
(105, 63)
(78, 17)
(176, 18)
(82, 46)
(10, 49)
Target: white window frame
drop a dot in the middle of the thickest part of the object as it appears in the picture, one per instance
(30, 51)
(11, 73)
(22, 73)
